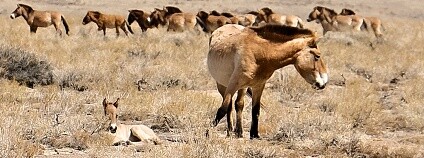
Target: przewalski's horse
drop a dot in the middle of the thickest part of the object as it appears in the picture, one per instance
(175, 18)
(374, 22)
(161, 16)
(241, 58)
(35, 18)
(141, 17)
(127, 134)
(233, 18)
(212, 22)
(104, 21)
(269, 17)
(331, 21)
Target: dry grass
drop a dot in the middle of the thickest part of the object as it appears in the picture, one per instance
(373, 110)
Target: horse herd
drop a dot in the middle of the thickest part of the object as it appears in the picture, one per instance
(176, 20)
(244, 51)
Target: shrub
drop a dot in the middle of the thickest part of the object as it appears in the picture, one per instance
(24, 67)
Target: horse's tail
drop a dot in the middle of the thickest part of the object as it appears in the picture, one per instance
(65, 24)
(129, 27)
(364, 25)
(202, 24)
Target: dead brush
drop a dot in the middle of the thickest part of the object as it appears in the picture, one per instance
(24, 67)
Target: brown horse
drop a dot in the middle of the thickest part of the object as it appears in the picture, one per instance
(269, 17)
(35, 18)
(331, 21)
(161, 16)
(374, 22)
(141, 17)
(211, 21)
(127, 134)
(175, 18)
(104, 21)
(241, 58)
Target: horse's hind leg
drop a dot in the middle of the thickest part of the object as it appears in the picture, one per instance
(56, 26)
(33, 29)
(226, 109)
(124, 29)
(239, 104)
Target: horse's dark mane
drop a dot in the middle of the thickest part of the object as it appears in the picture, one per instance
(27, 7)
(348, 11)
(253, 13)
(282, 33)
(228, 15)
(331, 11)
(267, 11)
(215, 13)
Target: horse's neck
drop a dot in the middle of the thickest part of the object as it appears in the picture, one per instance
(286, 53)
(26, 16)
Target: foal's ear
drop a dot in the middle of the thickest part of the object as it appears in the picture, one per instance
(116, 103)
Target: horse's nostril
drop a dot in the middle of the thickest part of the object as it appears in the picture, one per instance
(318, 86)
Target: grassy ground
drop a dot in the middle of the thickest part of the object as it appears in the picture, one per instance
(372, 106)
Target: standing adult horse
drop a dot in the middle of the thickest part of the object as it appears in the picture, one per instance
(35, 18)
(141, 17)
(242, 57)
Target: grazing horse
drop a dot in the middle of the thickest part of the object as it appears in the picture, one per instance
(127, 134)
(374, 22)
(175, 18)
(104, 21)
(35, 18)
(212, 22)
(269, 17)
(242, 57)
(331, 21)
(141, 17)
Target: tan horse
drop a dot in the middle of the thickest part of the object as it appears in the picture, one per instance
(331, 21)
(374, 22)
(242, 57)
(212, 22)
(175, 18)
(141, 17)
(104, 21)
(127, 134)
(269, 17)
(35, 18)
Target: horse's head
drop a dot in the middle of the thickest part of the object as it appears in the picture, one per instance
(134, 15)
(90, 16)
(158, 17)
(111, 110)
(22, 9)
(314, 15)
(309, 63)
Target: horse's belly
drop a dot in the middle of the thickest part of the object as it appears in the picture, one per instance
(221, 66)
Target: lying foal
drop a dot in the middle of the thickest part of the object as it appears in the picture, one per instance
(127, 134)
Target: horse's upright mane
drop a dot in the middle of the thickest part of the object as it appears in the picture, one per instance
(228, 15)
(253, 13)
(267, 11)
(346, 11)
(331, 11)
(282, 33)
(27, 7)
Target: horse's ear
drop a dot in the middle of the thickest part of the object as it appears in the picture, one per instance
(104, 103)
(312, 43)
(116, 103)
(130, 10)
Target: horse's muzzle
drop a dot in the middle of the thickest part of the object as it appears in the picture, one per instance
(308, 20)
(113, 130)
(319, 86)
(12, 16)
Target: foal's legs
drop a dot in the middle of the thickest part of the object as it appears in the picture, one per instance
(239, 104)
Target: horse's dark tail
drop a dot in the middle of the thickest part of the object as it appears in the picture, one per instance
(364, 25)
(65, 24)
(129, 27)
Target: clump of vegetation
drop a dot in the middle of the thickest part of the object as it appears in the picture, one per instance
(24, 67)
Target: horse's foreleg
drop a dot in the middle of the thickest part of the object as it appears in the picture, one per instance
(33, 29)
(124, 29)
(256, 107)
(104, 31)
(239, 104)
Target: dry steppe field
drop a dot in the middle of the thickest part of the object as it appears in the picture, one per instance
(371, 107)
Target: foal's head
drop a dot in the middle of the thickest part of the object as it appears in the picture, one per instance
(311, 66)
(90, 16)
(22, 9)
(111, 110)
